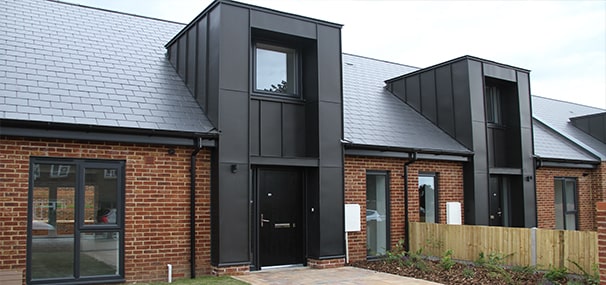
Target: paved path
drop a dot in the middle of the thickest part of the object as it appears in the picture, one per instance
(343, 275)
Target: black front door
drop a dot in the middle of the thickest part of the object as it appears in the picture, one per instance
(280, 222)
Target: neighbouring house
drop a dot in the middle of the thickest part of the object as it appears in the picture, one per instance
(129, 145)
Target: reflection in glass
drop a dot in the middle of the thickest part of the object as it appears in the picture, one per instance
(99, 253)
(100, 196)
(427, 199)
(376, 214)
(275, 69)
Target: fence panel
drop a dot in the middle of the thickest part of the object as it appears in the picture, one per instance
(552, 248)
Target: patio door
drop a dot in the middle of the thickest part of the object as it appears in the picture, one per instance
(280, 222)
(75, 221)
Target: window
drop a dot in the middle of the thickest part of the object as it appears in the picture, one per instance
(566, 203)
(377, 213)
(428, 198)
(75, 229)
(493, 105)
(275, 70)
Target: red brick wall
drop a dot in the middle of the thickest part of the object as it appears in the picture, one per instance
(156, 206)
(588, 192)
(450, 183)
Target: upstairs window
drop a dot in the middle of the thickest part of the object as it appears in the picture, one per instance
(493, 105)
(276, 70)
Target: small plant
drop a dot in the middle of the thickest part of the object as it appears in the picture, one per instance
(468, 272)
(591, 279)
(524, 269)
(556, 274)
(446, 261)
(494, 263)
(415, 258)
(481, 259)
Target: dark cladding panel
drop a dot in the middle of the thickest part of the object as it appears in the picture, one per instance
(329, 64)
(330, 135)
(182, 58)
(524, 100)
(312, 126)
(413, 92)
(332, 225)
(214, 49)
(235, 48)
(462, 110)
(201, 62)
(233, 213)
(233, 144)
(191, 58)
(310, 74)
(480, 146)
(293, 130)
(445, 109)
(270, 128)
(597, 127)
(286, 25)
(476, 91)
(399, 89)
(481, 201)
(254, 127)
(313, 212)
(174, 54)
(428, 96)
(499, 72)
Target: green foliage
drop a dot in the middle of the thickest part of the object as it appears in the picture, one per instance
(588, 278)
(494, 263)
(468, 272)
(446, 261)
(524, 269)
(556, 274)
(406, 258)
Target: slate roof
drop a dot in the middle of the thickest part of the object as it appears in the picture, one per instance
(556, 115)
(63, 63)
(549, 144)
(375, 117)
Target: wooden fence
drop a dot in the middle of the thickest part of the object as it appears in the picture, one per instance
(537, 247)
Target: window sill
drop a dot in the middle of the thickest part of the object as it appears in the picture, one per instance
(277, 98)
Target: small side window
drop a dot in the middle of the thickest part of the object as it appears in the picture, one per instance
(275, 70)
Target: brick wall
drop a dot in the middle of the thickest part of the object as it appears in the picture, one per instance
(450, 183)
(156, 206)
(588, 191)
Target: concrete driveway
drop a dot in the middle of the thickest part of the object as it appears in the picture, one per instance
(342, 275)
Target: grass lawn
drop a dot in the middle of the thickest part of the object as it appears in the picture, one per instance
(204, 280)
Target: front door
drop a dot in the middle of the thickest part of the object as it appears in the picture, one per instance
(280, 222)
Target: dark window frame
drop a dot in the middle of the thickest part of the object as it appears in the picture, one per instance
(79, 226)
(575, 197)
(493, 105)
(386, 174)
(297, 69)
(435, 176)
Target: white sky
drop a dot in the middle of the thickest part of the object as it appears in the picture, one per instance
(563, 43)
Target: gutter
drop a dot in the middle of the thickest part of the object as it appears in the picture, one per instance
(413, 158)
(192, 206)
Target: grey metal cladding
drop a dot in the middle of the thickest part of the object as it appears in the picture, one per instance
(373, 116)
(69, 61)
(556, 115)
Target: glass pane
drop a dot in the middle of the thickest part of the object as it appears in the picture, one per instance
(559, 206)
(275, 70)
(99, 253)
(53, 204)
(427, 198)
(100, 196)
(376, 215)
(571, 221)
(570, 196)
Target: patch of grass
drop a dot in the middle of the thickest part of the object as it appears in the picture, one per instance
(203, 280)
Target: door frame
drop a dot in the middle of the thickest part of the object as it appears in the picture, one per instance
(256, 211)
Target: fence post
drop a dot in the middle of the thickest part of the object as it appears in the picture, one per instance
(601, 221)
(533, 246)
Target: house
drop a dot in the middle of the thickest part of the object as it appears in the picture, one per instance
(130, 145)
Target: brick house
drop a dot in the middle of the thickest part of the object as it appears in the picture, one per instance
(232, 143)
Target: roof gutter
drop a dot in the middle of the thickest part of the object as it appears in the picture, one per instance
(351, 145)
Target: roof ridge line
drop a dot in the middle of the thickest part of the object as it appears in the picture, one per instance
(569, 102)
(382, 60)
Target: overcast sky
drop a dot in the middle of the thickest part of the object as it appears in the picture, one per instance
(563, 43)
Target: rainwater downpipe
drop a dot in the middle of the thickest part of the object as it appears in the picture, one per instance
(192, 207)
(413, 158)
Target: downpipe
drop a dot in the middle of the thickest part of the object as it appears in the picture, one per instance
(413, 158)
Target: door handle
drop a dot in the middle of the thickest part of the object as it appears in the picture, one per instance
(263, 220)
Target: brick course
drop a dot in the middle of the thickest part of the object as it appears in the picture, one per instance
(157, 189)
(450, 184)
